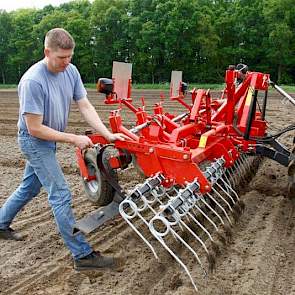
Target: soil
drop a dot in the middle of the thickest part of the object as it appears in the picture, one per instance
(259, 259)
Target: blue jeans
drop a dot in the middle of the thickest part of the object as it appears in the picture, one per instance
(42, 169)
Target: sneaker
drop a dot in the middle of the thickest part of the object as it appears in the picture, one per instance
(94, 261)
(10, 234)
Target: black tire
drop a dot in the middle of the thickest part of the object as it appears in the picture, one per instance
(98, 191)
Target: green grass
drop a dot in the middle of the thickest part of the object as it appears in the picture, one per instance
(8, 86)
(165, 86)
(288, 88)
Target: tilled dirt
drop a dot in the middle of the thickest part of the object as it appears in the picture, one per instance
(259, 259)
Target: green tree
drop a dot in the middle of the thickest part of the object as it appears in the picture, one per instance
(21, 44)
(5, 31)
(280, 44)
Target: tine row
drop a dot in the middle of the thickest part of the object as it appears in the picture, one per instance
(185, 215)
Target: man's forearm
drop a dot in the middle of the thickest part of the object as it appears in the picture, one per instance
(47, 133)
(91, 117)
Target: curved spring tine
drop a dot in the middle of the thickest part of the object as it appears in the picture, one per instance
(230, 188)
(200, 225)
(195, 235)
(250, 161)
(226, 182)
(240, 174)
(231, 176)
(222, 209)
(243, 167)
(222, 198)
(153, 210)
(226, 192)
(157, 235)
(177, 259)
(247, 161)
(226, 177)
(209, 207)
(127, 218)
(156, 196)
(190, 249)
(239, 169)
(207, 217)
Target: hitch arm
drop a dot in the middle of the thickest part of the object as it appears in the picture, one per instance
(276, 152)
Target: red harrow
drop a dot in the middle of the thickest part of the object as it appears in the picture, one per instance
(193, 162)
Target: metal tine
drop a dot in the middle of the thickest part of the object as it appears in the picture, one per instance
(210, 256)
(230, 188)
(179, 215)
(245, 157)
(221, 197)
(195, 235)
(231, 175)
(188, 204)
(170, 198)
(222, 209)
(210, 208)
(239, 168)
(205, 215)
(220, 236)
(159, 236)
(155, 194)
(226, 192)
(225, 176)
(128, 217)
(240, 204)
(247, 161)
(189, 215)
(154, 211)
(178, 260)
(227, 181)
(235, 208)
(239, 175)
(245, 165)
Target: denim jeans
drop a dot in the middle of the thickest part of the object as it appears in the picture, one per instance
(42, 169)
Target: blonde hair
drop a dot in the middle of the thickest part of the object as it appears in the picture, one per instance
(59, 38)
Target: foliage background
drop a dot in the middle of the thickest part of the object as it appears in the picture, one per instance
(199, 37)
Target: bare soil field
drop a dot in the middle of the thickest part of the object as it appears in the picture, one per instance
(260, 258)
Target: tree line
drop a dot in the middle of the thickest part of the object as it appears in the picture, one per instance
(199, 37)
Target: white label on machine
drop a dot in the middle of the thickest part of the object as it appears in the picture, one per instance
(121, 75)
(176, 78)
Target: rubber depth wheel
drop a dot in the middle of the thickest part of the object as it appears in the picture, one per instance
(98, 191)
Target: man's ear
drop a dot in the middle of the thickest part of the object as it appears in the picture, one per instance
(46, 52)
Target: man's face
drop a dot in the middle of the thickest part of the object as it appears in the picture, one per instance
(58, 59)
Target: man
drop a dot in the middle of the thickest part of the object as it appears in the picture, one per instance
(45, 93)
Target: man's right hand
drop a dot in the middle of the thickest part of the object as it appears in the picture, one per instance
(82, 141)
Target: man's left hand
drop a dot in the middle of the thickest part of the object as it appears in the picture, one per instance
(117, 136)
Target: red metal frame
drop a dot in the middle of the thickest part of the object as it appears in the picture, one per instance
(176, 149)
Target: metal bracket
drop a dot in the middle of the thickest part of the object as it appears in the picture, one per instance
(95, 219)
(277, 155)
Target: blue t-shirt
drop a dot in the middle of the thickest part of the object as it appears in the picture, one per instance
(45, 93)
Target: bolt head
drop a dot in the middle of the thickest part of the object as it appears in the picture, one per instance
(151, 150)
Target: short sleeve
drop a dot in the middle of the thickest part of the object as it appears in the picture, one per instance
(79, 89)
(31, 97)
